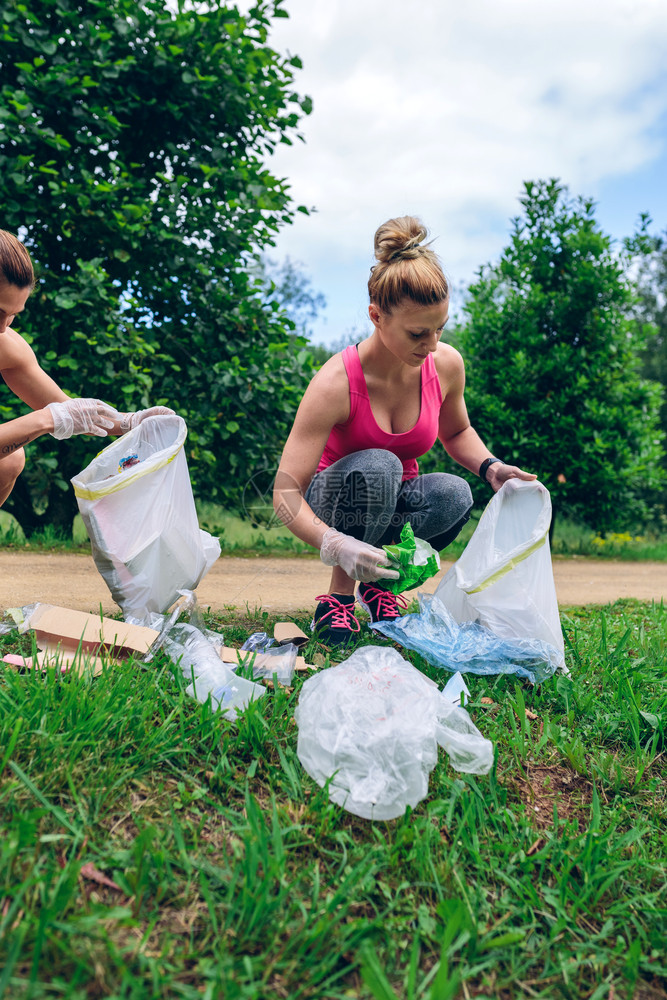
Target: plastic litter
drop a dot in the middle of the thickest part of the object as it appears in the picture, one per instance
(271, 659)
(468, 646)
(504, 579)
(199, 661)
(258, 642)
(279, 661)
(370, 728)
(456, 690)
(195, 648)
(19, 618)
(142, 522)
(128, 462)
(414, 559)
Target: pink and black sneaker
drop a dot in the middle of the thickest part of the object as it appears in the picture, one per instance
(381, 605)
(334, 623)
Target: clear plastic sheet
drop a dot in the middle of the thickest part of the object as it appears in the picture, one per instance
(278, 660)
(200, 663)
(370, 727)
(18, 618)
(468, 646)
(195, 649)
(258, 642)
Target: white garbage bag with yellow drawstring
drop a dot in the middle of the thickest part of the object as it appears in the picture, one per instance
(504, 578)
(136, 501)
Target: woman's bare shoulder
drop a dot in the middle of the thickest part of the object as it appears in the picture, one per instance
(329, 390)
(449, 365)
(15, 352)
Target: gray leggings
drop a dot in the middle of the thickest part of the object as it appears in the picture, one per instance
(362, 495)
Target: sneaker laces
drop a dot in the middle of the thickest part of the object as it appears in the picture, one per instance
(340, 615)
(386, 604)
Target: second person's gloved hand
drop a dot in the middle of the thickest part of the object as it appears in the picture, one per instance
(359, 560)
(81, 416)
(128, 421)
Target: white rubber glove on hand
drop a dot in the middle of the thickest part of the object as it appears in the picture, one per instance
(359, 560)
(81, 416)
(128, 421)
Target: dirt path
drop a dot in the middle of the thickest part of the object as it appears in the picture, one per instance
(289, 585)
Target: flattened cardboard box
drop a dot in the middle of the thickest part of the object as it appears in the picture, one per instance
(80, 641)
(54, 626)
(57, 657)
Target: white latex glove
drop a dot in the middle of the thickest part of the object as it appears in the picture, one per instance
(359, 560)
(128, 421)
(81, 416)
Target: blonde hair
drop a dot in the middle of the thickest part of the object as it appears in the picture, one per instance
(15, 264)
(406, 268)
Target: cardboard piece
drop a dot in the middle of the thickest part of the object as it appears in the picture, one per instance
(67, 629)
(66, 659)
(284, 632)
(76, 641)
(236, 656)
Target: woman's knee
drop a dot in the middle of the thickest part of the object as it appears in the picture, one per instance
(379, 461)
(12, 466)
(451, 494)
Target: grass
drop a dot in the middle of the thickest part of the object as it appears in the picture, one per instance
(152, 849)
(571, 539)
(263, 536)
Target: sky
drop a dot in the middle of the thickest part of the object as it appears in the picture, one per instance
(443, 109)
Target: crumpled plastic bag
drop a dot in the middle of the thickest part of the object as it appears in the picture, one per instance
(258, 642)
(195, 649)
(413, 558)
(370, 727)
(276, 661)
(468, 646)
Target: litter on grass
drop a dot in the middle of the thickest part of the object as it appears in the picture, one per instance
(76, 641)
(257, 642)
(468, 647)
(199, 661)
(369, 730)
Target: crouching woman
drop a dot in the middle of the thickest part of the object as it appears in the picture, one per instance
(348, 478)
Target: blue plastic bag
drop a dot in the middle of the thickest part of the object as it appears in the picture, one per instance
(468, 646)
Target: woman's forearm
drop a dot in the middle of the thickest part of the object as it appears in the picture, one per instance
(468, 449)
(290, 506)
(16, 433)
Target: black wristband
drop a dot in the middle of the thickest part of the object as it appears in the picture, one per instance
(484, 467)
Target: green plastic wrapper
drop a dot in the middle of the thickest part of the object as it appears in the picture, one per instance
(415, 560)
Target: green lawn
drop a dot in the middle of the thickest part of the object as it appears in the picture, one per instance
(231, 875)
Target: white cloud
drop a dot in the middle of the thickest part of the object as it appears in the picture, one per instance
(442, 109)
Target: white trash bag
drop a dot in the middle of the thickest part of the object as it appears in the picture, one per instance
(136, 501)
(372, 725)
(504, 578)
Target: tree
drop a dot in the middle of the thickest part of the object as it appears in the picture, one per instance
(133, 140)
(553, 363)
(649, 307)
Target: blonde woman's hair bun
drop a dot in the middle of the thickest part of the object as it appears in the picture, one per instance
(400, 239)
(407, 268)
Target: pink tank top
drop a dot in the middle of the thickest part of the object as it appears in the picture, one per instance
(360, 431)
